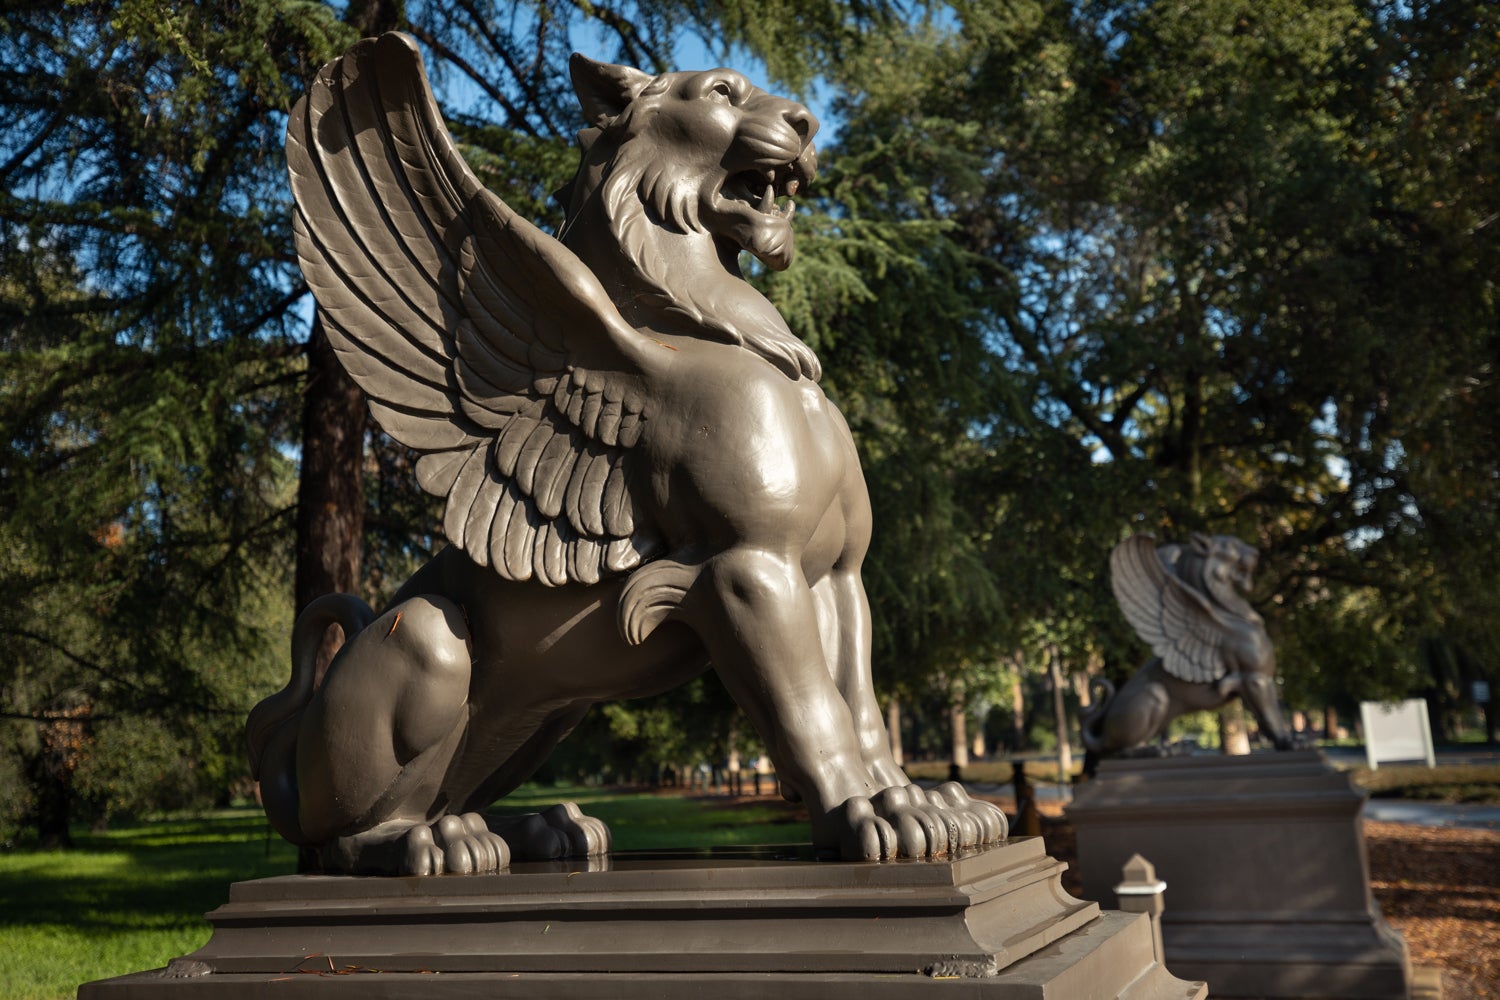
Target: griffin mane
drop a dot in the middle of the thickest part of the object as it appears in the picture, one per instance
(641, 197)
(1212, 574)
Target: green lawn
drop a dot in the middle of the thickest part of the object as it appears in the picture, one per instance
(125, 900)
(134, 898)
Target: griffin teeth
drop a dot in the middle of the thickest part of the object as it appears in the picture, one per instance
(768, 199)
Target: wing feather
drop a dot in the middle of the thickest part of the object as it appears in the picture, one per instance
(512, 439)
(480, 341)
(608, 427)
(338, 189)
(615, 503)
(574, 496)
(461, 497)
(1178, 624)
(531, 454)
(438, 470)
(550, 556)
(585, 561)
(479, 525)
(384, 231)
(512, 505)
(591, 495)
(338, 301)
(553, 470)
(520, 540)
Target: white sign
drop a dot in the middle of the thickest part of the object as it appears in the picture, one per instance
(1481, 692)
(1397, 731)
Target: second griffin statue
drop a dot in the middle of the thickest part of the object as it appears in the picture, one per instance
(643, 478)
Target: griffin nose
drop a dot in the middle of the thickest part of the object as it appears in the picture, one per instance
(802, 121)
(805, 168)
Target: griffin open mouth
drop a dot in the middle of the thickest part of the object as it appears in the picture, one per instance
(755, 207)
(763, 187)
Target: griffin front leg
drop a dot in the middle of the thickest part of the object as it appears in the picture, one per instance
(844, 625)
(758, 617)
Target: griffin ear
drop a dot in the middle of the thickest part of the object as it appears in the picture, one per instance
(604, 89)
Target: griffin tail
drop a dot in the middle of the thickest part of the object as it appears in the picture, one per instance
(349, 613)
(1091, 722)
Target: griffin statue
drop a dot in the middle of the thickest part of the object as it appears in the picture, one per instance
(643, 479)
(1186, 603)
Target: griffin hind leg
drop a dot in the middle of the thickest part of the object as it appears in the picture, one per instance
(379, 734)
(272, 729)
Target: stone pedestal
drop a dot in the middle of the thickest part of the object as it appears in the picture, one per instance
(1268, 884)
(745, 923)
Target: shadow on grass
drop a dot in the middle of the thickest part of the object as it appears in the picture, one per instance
(166, 874)
(155, 876)
(640, 819)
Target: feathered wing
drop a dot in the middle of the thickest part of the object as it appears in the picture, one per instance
(480, 341)
(1177, 623)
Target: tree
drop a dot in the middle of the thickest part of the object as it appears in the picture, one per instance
(148, 370)
(1200, 241)
(153, 391)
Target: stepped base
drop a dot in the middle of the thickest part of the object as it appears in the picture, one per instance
(728, 923)
(1268, 883)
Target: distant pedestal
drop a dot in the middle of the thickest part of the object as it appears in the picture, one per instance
(1268, 883)
(727, 924)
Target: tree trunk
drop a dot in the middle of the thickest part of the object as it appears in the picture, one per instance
(1018, 712)
(1082, 689)
(330, 490)
(51, 784)
(958, 722)
(1234, 737)
(1060, 717)
(893, 728)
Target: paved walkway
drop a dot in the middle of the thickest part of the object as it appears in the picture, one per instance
(1474, 816)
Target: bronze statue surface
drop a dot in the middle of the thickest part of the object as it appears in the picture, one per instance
(1186, 602)
(642, 475)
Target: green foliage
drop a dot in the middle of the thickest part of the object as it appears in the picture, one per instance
(148, 384)
(1073, 269)
(1232, 272)
(153, 318)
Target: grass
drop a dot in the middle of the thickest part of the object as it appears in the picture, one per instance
(133, 898)
(125, 900)
(990, 772)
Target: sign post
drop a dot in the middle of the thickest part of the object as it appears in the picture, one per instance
(1397, 731)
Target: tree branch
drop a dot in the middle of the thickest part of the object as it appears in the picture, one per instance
(513, 114)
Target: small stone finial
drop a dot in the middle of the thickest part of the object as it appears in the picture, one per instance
(1140, 878)
(1141, 892)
